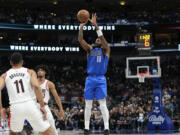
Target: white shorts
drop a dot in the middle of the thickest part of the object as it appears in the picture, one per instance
(29, 111)
(51, 119)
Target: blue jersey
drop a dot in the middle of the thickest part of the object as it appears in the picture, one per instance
(97, 62)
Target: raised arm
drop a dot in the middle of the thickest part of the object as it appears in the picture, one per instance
(104, 43)
(82, 42)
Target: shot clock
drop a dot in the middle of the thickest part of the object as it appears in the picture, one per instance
(144, 41)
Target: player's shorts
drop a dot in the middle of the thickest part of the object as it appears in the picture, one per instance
(50, 119)
(29, 111)
(95, 87)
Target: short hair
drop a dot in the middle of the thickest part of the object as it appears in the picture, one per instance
(16, 58)
(43, 67)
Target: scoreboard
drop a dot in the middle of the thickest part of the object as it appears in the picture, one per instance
(144, 43)
(144, 40)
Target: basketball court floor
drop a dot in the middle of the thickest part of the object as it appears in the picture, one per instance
(77, 132)
(81, 133)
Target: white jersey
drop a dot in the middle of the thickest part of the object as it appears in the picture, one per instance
(45, 90)
(46, 93)
(19, 86)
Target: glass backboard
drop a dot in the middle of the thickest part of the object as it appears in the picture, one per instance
(143, 67)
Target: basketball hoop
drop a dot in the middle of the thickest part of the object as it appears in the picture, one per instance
(141, 77)
(143, 67)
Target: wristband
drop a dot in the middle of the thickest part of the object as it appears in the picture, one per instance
(99, 33)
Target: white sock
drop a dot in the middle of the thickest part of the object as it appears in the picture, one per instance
(105, 113)
(87, 113)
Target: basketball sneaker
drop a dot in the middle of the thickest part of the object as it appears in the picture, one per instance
(86, 132)
(106, 132)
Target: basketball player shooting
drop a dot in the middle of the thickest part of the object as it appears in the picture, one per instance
(48, 86)
(23, 90)
(95, 85)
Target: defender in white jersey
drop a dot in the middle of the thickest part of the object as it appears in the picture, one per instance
(47, 87)
(24, 91)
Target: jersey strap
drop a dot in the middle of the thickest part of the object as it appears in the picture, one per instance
(47, 88)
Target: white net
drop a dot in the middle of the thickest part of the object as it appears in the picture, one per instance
(141, 78)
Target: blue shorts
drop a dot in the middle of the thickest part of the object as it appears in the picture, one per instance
(95, 87)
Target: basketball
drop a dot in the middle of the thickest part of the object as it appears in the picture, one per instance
(83, 16)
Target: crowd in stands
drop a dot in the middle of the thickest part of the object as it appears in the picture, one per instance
(122, 16)
(105, 16)
(128, 101)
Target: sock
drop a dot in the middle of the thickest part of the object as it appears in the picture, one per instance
(87, 113)
(105, 113)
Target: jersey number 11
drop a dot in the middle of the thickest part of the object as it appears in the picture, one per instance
(17, 85)
(98, 59)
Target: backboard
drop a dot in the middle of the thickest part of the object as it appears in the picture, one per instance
(143, 67)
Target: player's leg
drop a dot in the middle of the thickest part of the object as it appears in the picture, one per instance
(35, 118)
(105, 113)
(51, 120)
(16, 119)
(27, 128)
(87, 113)
(101, 93)
(27, 131)
(47, 132)
(44, 126)
(88, 96)
(13, 133)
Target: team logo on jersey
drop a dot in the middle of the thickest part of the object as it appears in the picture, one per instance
(95, 53)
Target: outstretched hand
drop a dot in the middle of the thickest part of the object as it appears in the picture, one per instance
(93, 19)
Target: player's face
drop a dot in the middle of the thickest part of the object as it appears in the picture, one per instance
(41, 73)
(98, 41)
